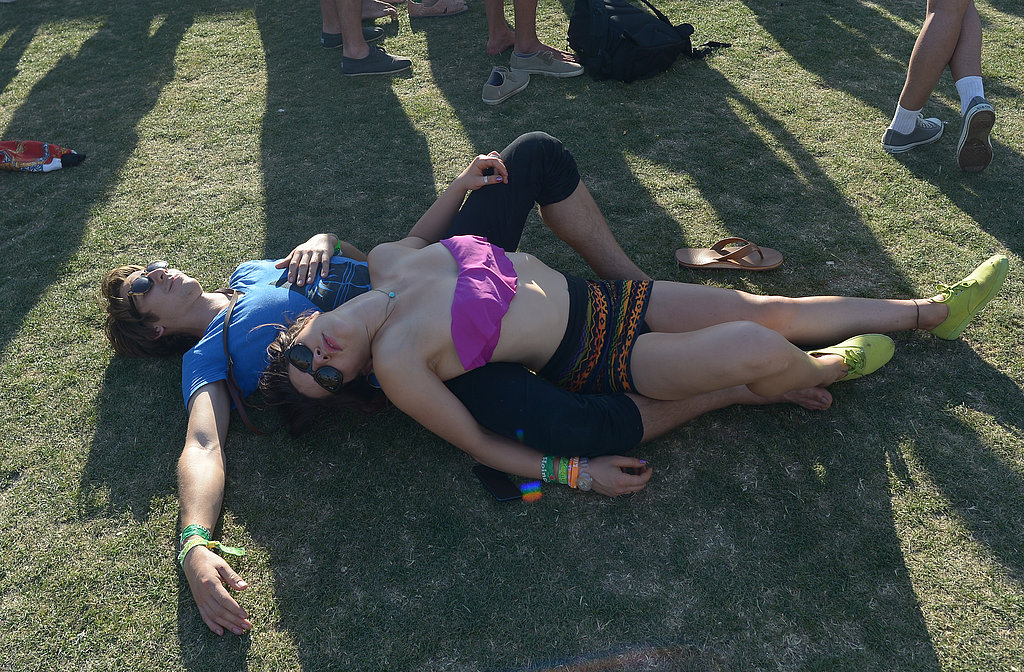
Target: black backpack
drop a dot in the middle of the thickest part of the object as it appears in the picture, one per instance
(614, 39)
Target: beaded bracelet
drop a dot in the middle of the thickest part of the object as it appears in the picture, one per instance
(212, 545)
(193, 530)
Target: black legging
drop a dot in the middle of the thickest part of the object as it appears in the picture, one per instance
(541, 171)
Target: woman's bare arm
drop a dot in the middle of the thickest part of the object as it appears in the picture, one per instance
(419, 393)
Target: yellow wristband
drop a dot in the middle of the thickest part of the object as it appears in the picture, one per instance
(212, 545)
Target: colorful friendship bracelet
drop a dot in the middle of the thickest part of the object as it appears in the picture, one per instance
(212, 545)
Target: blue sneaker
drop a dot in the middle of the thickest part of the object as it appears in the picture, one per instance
(333, 40)
(377, 62)
(974, 151)
(925, 132)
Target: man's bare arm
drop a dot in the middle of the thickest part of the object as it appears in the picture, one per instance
(201, 493)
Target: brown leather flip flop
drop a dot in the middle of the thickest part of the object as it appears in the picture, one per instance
(734, 253)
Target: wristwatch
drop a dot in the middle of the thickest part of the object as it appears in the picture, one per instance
(584, 481)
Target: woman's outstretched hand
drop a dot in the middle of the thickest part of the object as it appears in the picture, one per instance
(486, 170)
(614, 475)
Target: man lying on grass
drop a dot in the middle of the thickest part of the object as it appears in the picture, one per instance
(159, 310)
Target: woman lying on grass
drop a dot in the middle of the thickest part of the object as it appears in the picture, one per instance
(439, 310)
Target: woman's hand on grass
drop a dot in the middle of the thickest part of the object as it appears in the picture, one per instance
(612, 474)
(304, 261)
(207, 573)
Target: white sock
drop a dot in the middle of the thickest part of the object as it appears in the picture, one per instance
(968, 88)
(904, 121)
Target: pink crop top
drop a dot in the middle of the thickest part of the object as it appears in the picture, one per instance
(483, 292)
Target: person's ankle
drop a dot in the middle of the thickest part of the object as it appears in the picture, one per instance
(356, 51)
(932, 312)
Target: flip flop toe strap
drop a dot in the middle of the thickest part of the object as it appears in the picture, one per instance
(747, 248)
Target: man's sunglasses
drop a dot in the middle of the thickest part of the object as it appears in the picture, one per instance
(142, 284)
(326, 377)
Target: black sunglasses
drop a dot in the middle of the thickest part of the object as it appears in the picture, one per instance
(142, 284)
(326, 377)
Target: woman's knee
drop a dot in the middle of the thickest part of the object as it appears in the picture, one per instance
(761, 350)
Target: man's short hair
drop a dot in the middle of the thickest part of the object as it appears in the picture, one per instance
(134, 336)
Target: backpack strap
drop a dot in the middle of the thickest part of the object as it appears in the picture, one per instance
(699, 52)
(657, 12)
(232, 384)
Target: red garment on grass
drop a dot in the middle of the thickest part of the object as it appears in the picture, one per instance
(36, 157)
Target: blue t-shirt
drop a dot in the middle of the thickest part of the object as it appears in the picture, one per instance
(268, 300)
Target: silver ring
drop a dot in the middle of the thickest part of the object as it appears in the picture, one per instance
(485, 179)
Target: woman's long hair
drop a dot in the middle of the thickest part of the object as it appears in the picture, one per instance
(300, 412)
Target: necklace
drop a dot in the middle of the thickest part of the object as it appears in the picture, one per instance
(387, 307)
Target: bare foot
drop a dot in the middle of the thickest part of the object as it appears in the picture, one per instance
(811, 398)
(497, 45)
(377, 9)
(436, 8)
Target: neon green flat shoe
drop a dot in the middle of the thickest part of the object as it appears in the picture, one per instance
(970, 295)
(863, 354)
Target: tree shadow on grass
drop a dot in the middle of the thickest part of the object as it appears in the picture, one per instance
(80, 105)
(355, 160)
(808, 549)
(338, 155)
(863, 40)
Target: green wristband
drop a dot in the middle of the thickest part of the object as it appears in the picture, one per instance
(212, 545)
(337, 245)
(193, 530)
(547, 468)
(563, 470)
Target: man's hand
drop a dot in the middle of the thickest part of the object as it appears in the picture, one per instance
(305, 259)
(207, 573)
(613, 474)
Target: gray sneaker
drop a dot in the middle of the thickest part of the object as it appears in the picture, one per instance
(926, 131)
(974, 151)
(503, 84)
(377, 62)
(544, 63)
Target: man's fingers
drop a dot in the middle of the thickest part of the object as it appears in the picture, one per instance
(231, 577)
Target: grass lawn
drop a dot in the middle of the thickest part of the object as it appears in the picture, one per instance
(883, 534)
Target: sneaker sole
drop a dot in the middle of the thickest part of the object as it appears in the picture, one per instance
(376, 72)
(974, 151)
(996, 286)
(559, 75)
(899, 149)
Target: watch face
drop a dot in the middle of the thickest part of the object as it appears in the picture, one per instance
(584, 482)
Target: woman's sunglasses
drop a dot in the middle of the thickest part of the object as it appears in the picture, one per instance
(141, 285)
(326, 377)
